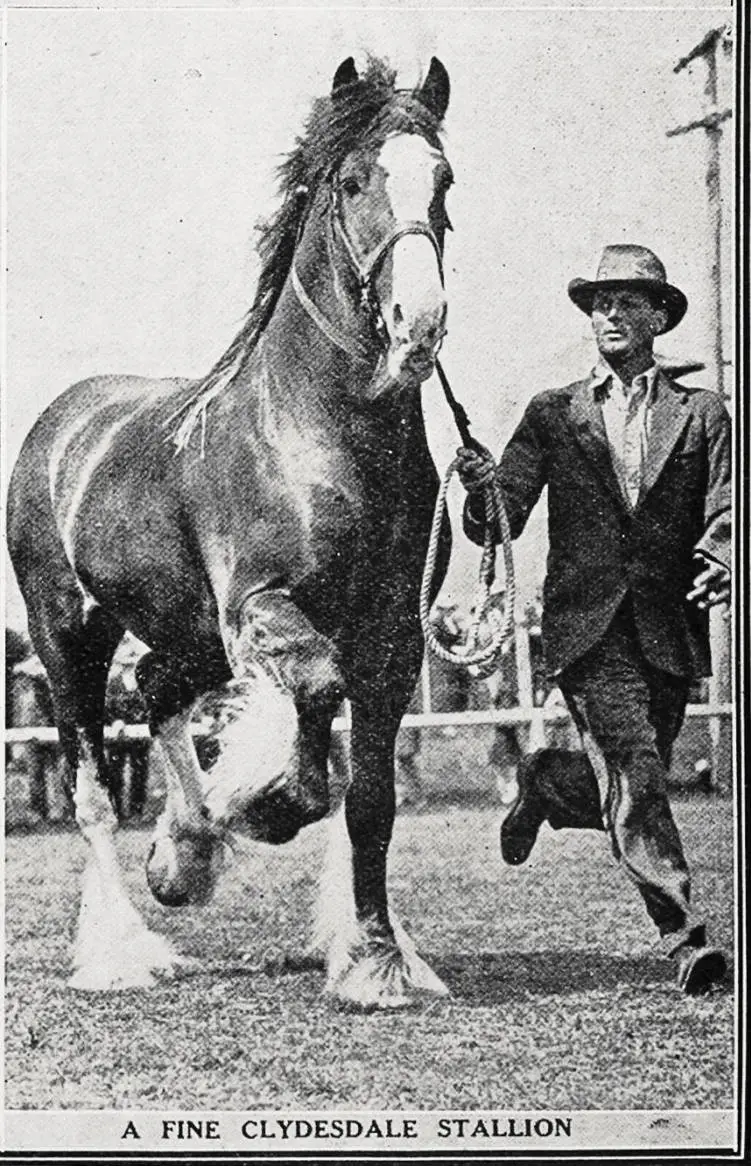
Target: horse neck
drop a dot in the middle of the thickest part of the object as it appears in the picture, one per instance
(315, 377)
(312, 373)
(322, 317)
(304, 390)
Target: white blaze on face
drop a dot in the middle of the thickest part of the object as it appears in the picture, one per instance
(410, 291)
(409, 165)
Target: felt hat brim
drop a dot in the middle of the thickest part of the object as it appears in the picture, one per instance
(664, 295)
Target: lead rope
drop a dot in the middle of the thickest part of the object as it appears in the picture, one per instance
(480, 661)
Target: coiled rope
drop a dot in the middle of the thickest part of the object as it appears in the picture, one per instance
(481, 660)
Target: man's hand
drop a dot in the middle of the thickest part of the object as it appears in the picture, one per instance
(475, 469)
(711, 585)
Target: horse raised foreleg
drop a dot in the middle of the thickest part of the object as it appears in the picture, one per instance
(292, 689)
(187, 850)
(372, 963)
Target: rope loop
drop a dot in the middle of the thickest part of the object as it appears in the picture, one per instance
(480, 661)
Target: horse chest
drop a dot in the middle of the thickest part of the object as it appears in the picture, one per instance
(369, 559)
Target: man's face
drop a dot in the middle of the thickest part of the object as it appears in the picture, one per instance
(625, 322)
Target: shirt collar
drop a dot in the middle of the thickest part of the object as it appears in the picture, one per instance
(603, 376)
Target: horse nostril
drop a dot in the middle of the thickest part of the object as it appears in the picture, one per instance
(398, 315)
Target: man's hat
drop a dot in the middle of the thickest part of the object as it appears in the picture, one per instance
(627, 265)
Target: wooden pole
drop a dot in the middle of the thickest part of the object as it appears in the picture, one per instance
(720, 730)
(713, 131)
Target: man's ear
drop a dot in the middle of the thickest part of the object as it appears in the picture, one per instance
(659, 319)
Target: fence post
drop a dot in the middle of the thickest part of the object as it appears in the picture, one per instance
(535, 735)
(425, 693)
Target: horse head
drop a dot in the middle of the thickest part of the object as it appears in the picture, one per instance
(369, 265)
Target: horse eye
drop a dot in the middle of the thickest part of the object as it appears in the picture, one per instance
(351, 187)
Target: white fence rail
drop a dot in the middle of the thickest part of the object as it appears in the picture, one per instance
(47, 734)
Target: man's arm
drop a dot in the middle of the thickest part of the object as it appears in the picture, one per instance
(521, 474)
(712, 552)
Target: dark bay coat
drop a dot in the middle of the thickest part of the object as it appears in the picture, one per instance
(600, 548)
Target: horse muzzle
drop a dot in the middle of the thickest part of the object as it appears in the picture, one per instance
(407, 365)
(420, 364)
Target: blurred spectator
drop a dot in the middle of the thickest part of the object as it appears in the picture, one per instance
(506, 749)
(33, 774)
(503, 691)
(17, 648)
(35, 769)
(127, 759)
(450, 688)
(339, 773)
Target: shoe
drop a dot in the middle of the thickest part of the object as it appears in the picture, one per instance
(699, 969)
(528, 812)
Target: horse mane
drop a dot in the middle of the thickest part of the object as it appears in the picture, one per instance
(334, 127)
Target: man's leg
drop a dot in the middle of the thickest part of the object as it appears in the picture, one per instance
(629, 714)
(560, 786)
(557, 785)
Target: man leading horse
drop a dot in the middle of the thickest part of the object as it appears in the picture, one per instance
(638, 475)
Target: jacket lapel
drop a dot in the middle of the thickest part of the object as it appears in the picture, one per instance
(668, 420)
(586, 415)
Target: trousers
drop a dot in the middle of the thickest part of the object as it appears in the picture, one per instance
(629, 714)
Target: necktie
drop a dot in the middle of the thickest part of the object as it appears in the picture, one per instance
(634, 440)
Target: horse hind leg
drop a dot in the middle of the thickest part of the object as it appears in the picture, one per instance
(114, 948)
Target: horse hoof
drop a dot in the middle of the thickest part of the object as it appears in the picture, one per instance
(183, 870)
(138, 958)
(275, 821)
(386, 980)
(105, 979)
(278, 818)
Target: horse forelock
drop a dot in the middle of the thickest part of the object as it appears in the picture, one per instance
(369, 109)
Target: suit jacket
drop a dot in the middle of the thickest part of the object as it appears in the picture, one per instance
(602, 549)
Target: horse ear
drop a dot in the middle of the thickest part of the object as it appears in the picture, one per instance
(346, 74)
(435, 89)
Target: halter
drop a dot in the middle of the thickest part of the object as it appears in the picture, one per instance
(365, 268)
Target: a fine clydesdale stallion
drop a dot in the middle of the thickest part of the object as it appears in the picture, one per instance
(263, 532)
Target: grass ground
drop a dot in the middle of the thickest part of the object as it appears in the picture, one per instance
(559, 999)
